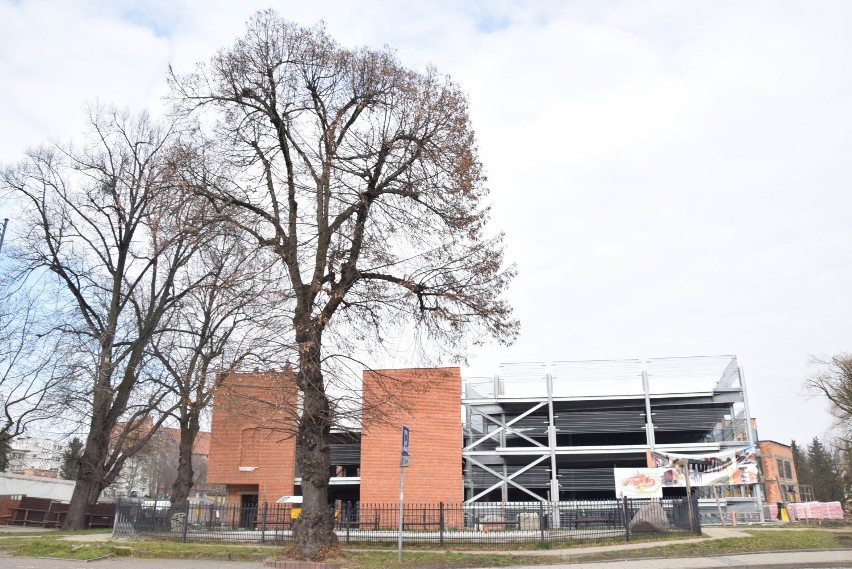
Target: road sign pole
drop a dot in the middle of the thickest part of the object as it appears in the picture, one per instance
(404, 460)
(401, 492)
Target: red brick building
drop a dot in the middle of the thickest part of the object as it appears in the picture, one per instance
(427, 401)
(779, 473)
(252, 449)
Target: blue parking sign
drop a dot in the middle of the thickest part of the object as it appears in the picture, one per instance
(405, 441)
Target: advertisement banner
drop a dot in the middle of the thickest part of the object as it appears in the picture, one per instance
(709, 469)
(638, 482)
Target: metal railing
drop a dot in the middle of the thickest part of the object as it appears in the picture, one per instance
(441, 524)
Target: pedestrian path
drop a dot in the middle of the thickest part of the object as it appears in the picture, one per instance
(776, 560)
(781, 560)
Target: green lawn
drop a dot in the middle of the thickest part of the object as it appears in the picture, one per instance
(761, 540)
(52, 547)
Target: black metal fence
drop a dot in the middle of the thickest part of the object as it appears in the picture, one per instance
(440, 524)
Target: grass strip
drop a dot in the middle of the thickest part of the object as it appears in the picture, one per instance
(59, 549)
(761, 541)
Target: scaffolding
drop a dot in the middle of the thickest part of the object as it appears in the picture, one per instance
(555, 431)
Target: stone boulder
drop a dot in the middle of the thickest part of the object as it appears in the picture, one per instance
(650, 518)
(178, 520)
(528, 522)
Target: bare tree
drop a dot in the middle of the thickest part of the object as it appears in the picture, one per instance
(27, 357)
(230, 318)
(112, 223)
(362, 176)
(834, 381)
(154, 467)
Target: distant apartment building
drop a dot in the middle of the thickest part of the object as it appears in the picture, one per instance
(36, 457)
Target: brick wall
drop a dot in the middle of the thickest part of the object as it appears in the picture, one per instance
(770, 453)
(428, 402)
(252, 414)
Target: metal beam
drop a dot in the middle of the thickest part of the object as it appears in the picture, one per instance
(503, 479)
(510, 423)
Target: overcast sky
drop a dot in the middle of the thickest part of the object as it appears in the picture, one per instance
(673, 177)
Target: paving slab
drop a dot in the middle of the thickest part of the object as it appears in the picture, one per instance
(781, 560)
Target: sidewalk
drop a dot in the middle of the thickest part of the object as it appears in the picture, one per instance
(780, 560)
(786, 560)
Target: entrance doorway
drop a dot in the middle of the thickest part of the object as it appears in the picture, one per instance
(248, 511)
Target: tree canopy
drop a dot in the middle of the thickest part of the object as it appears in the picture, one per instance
(824, 475)
(834, 381)
(362, 177)
(113, 223)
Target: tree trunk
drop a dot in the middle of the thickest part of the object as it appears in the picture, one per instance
(313, 532)
(183, 482)
(89, 482)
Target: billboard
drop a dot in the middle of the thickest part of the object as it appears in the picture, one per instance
(638, 482)
(708, 469)
(671, 470)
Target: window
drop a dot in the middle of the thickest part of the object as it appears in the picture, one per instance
(785, 469)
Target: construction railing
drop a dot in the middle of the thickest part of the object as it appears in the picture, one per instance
(440, 524)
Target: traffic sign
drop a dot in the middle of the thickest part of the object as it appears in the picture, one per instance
(405, 434)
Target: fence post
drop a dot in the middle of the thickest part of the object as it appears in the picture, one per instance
(624, 516)
(185, 521)
(347, 509)
(441, 525)
(541, 519)
(263, 523)
(696, 522)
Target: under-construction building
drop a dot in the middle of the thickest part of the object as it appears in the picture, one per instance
(556, 431)
(542, 431)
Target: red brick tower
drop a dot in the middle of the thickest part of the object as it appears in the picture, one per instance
(427, 401)
(251, 449)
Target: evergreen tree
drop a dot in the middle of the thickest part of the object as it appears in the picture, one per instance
(846, 471)
(825, 477)
(803, 472)
(71, 460)
(5, 450)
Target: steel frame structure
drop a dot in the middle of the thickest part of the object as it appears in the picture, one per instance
(554, 431)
